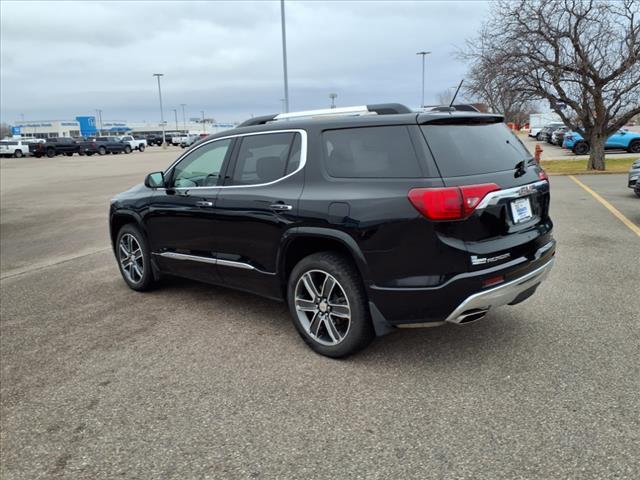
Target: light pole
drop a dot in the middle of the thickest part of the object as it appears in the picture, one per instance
(99, 113)
(203, 129)
(282, 100)
(424, 54)
(158, 75)
(184, 118)
(284, 58)
(175, 112)
(333, 97)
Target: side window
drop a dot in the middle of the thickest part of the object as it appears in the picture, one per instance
(202, 167)
(371, 152)
(261, 158)
(295, 155)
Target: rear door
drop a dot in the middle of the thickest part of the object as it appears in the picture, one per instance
(257, 205)
(511, 222)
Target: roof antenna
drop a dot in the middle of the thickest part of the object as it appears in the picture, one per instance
(456, 94)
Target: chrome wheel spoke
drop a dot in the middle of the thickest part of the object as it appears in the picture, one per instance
(137, 269)
(311, 288)
(123, 249)
(340, 311)
(314, 326)
(331, 329)
(137, 255)
(327, 286)
(306, 305)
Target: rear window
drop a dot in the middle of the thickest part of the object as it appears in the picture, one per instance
(463, 149)
(370, 152)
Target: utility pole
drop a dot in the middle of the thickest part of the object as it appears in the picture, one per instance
(164, 142)
(175, 112)
(284, 58)
(424, 54)
(184, 118)
(203, 129)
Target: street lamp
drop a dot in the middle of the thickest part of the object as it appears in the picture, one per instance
(184, 119)
(333, 97)
(158, 75)
(175, 112)
(424, 54)
(284, 58)
(99, 114)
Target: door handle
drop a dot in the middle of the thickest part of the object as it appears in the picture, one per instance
(281, 207)
(204, 203)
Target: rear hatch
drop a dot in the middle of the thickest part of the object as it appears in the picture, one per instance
(506, 191)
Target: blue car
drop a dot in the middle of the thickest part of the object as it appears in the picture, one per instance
(622, 139)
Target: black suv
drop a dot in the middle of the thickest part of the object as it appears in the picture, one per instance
(362, 219)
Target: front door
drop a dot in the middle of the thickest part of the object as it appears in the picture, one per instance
(256, 205)
(181, 221)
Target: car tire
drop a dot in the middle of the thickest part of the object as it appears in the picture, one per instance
(581, 148)
(634, 147)
(538, 136)
(127, 149)
(134, 258)
(68, 154)
(51, 153)
(337, 287)
(102, 151)
(141, 148)
(18, 154)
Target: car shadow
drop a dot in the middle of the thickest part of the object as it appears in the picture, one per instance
(494, 336)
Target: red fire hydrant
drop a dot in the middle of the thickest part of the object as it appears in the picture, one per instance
(537, 154)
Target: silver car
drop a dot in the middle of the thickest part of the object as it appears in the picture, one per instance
(634, 176)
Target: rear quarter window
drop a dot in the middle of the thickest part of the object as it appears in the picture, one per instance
(370, 152)
(471, 149)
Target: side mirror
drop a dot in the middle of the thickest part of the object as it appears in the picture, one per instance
(154, 180)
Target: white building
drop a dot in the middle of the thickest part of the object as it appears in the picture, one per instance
(49, 128)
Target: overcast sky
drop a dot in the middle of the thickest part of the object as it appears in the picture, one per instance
(62, 59)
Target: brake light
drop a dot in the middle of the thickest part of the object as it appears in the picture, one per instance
(449, 203)
(542, 175)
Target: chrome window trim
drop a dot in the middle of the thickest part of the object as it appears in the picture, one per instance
(303, 158)
(493, 198)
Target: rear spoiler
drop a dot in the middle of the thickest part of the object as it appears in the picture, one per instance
(458, 118)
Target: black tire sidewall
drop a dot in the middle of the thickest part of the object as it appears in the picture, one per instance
(141, 148)
(17, 154)
(102, 151)
(147, 277)
(342, 269)
(634, 147)
(577, 149)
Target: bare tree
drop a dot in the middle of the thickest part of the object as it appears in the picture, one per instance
(582, 56)
(5, 130)
(486, 83)
(445, 97)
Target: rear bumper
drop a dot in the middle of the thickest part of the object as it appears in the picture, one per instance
(465, 297)
(509, 293)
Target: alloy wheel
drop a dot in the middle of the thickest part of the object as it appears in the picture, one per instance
(131, 258)
(322, 307)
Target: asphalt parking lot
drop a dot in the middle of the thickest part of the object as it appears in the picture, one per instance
(193, 381)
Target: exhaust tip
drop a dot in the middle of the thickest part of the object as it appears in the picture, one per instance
(470, 316)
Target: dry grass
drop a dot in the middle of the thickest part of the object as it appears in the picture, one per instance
(579, 167)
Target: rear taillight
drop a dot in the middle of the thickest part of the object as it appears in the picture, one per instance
(449, 203)
(542, 175)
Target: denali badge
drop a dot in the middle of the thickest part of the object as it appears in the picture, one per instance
(526, 190)
(475, 260)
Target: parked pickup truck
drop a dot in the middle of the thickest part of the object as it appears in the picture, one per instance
(104, 145)
(136, 143)
(55, 146)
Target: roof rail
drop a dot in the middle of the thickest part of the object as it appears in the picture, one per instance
(374, 109)
(257, 120)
